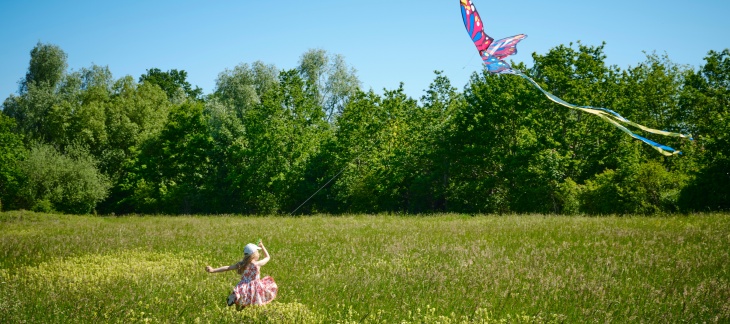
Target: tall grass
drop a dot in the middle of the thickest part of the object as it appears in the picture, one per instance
(364, 268)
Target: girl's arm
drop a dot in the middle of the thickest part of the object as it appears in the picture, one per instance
(265, 254)
(221, 269)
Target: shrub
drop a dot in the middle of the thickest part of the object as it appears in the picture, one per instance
(568, 197)
(67, 183)
(709, 189)
(646, 188)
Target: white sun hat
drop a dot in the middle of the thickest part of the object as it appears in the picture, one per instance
(250, 249)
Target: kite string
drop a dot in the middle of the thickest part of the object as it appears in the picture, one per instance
(468, 61)
(330, 180)
(318, 190)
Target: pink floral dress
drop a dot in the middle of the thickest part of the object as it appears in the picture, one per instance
(252, 290)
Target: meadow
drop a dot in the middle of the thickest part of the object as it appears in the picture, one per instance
(368, 268)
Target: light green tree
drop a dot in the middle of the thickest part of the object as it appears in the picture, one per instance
(37, 93)
(329, 79)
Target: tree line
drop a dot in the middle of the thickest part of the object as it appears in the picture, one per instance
(265, 140)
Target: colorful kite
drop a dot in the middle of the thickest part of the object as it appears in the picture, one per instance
(493, 53)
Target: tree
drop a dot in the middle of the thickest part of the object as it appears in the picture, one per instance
(707, 103)
(47, 67)
(173, 82)
(393, 163)
(12, 153)
(37, 93)
(282, 131)
(429, 136)
(135, 114)
(170, 173)
(246, 130)
(580, 76)
(491, 140)
(650, 94)
(371, 148)
(633, 187)
(243, 87)
(329, 79)
(356, 150)
(58, 108)
(79, 116)
(305, 128)
(229, 136)
(30, 111)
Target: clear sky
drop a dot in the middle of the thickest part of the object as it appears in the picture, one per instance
(386, 41)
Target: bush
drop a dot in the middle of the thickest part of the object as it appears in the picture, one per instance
(646, 188)
(709, 190)
(67, 183)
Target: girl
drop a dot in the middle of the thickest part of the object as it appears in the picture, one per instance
(251, 290)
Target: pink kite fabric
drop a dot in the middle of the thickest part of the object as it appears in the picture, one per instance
(492, 52)
(253, 290)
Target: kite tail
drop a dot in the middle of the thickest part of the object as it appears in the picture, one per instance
(613, 118)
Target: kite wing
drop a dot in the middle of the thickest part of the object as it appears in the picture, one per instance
(505, 46)
(495, 65)
(491, 52)
(474, 26)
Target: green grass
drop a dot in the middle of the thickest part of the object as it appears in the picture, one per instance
(362, 268)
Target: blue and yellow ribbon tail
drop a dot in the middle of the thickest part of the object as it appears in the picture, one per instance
(613, 118)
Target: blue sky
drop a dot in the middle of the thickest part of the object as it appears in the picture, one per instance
(386, 41)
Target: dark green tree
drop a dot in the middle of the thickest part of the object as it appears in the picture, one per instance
(282, 133)
(174, 83)
(246, 124)
(633, 187)
(372, 150)
(305, 129)
(12, 153)
(229, 136)
(491, 140)
(580, 76)
(394, 161)
(134, 114)
(170, 173)
(355, 150)
(78, 116)
(429, 134)
(707, 105)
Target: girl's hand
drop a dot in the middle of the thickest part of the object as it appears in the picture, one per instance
(209, 269)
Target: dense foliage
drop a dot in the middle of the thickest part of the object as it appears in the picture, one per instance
(265, 140)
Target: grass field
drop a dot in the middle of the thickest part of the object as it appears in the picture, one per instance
(363, 268)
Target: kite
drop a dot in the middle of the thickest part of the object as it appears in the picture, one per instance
(494, 52)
